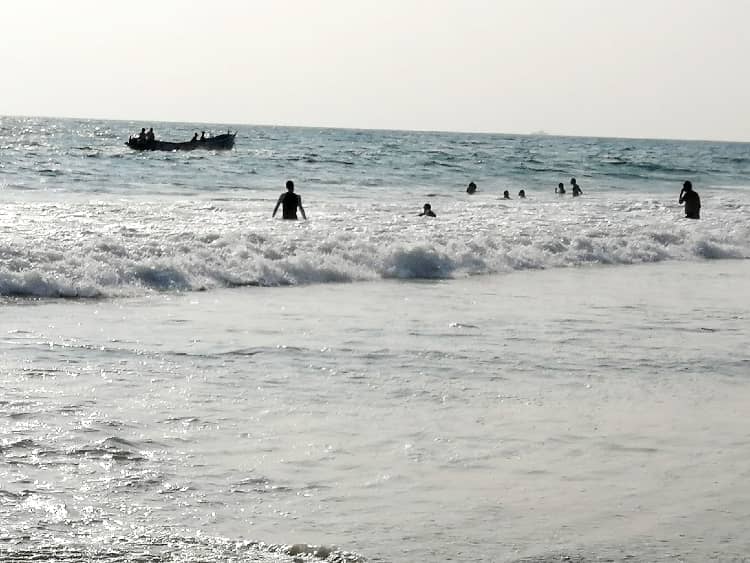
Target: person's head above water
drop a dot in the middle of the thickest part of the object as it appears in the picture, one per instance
(522, 193)
(572, 180)
(472, 188)
(427, 211)
(687, 186)
(506, 194)
(290, 185)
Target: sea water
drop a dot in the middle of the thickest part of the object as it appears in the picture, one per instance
(185, 378)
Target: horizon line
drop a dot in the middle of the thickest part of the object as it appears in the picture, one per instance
(538, 133)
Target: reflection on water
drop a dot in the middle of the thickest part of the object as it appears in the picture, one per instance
(481, 419)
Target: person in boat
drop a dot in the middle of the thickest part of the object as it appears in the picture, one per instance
(506, 194)
(472, 188)
(142, 135)
(194, 139)
(203, 135)
(150, 135)
(522, 194)
(692, 201)
(560, 189)
(289, 202)
(427, 211)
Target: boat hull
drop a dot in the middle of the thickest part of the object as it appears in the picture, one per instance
(218, 143)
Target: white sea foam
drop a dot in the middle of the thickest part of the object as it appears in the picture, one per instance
(362, 191)
(105, 249)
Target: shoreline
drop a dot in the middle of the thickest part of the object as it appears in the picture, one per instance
(16, 299)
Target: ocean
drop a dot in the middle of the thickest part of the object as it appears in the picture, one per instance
(552, 378)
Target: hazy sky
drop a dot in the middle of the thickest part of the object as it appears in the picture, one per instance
(634, 68)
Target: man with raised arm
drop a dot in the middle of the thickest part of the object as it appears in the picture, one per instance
(692, 201)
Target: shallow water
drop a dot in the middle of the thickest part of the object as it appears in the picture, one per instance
(541, 380)
(594, 412)
(84, 216)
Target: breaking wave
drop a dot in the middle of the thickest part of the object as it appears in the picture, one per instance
(122, 266)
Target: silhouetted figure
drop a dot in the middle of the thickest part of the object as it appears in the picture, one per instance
(576, 188)
(692, 201)
(522, 194)
(142, 135)
(203, 135)
(194, 139)
(472, 188)
(428, 212)
(560, 189)
(506, 194)
(150, 135)
(289, 202)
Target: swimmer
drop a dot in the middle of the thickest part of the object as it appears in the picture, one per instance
(472, 188)
(289, 202)
(691, 200)
(506, 194)
(576, 188)
(428, 212)
(560, 189)
(522, 194)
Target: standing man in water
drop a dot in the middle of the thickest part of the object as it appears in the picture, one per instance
(691, 200)
(576, 188)
(289, 202)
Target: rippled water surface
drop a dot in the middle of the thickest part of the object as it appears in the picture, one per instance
(83, 215)
(184, 378)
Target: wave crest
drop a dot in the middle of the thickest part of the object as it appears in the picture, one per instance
(134, 261)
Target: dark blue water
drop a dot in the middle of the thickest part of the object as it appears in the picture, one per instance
(89, 156)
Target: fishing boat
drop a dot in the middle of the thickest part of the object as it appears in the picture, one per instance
(221, 142)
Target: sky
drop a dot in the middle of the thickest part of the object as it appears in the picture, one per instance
(624, 68)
